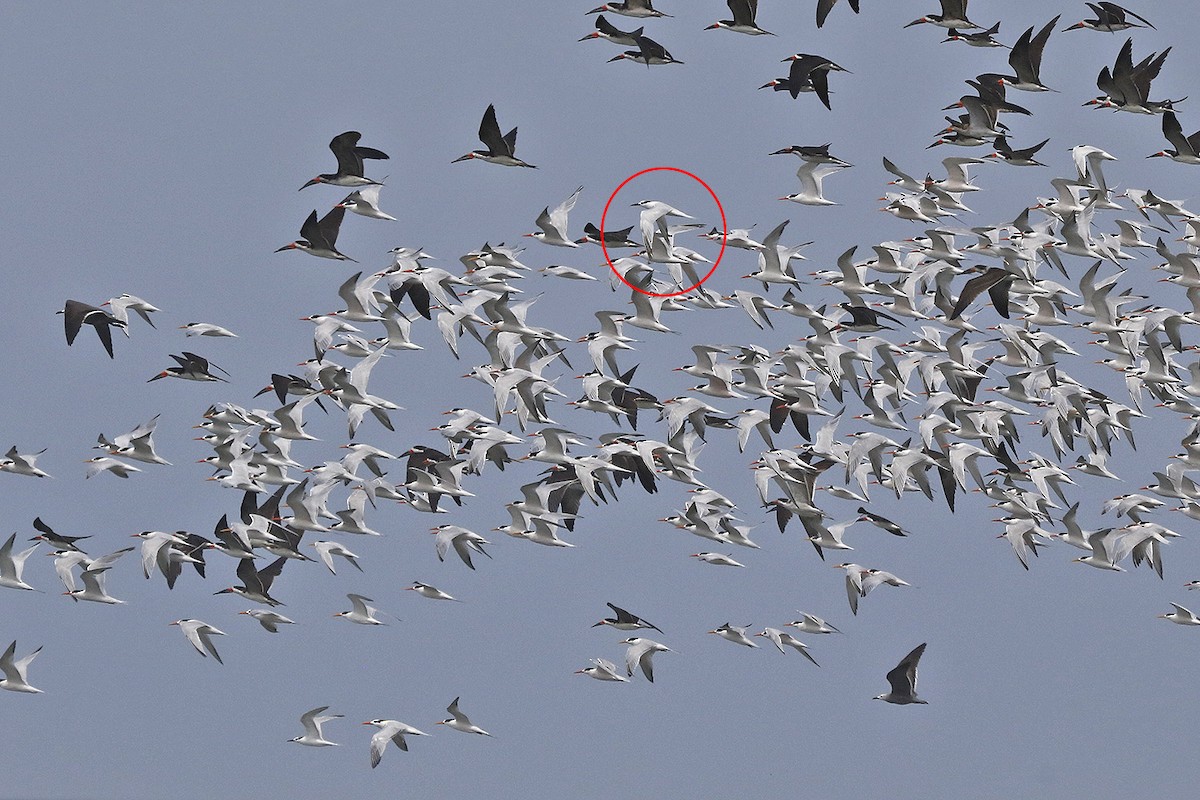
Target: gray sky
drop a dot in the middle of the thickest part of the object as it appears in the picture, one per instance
(157, 150)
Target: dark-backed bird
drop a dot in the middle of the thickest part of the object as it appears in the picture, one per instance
(954, 15)
(500, 149)
(630, 8)
(825, 6)
(995, 281)
(349, 162)
(649, 52)
(903, 680)
(1187, 148)
(190, 367)
(625, 621)
(77, 314)
(1111, 18)
(1023, 157)
(319, 237)
(744, 13)
(1026, 59)
(606, 30)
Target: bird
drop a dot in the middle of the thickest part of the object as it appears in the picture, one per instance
(649, 52)
(744, 13)
(200, 634)
(190, 367)
(432, 592)
(1026, 59)
(312, 722)
(256, 583)
(719, 559)
(623, 620)
(812, 178)
(349, 157)
(115, 466)
(553, 224)
(1187, 148)
(268, 619)
(825, 6)
(16, 677)
(460, 722)
(630, 8)
(1111, 18)
(652, 212)
(1023, 157)
(206, 329)
(810, 624)
(1180, 616)
(23, 464)
(639, 652)
(732, 633)
(903, 680)
(360, 613)
(996, 281)
(808, 73)
(954, 15)
(783, 639)
(77, 314)
(500, 149)
(12, 566)
(603, 670)
(319, 237)
(364, 202)
(122, 304)
(389, 730)
(328, 549)
(53, 538)
(606, 30)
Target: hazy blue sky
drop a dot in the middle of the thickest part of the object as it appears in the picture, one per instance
(156, 149)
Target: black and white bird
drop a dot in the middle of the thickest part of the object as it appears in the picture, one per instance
(349, 157)
(77, 314)
(744, 13)
(623, 620)
(501, 149)
(649, 52)
(191, 367)
(1110, 18)
(319, 237)
(825, 6)
(903, 680)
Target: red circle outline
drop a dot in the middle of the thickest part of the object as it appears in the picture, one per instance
(724, 231)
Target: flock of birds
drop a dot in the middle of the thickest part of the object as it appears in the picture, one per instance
(842, 410)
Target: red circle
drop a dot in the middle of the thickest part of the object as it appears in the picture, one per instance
(724, 231)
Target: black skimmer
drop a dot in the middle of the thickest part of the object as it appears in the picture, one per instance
(979, 39)
(1187, 148)
(825, 6)
(319, 237)
(903, 680)
(630, 8)
(1126, 86)
(996, 281)
(1026, 59)
(77, 314)
(814, 154)
(350, 162)
(1110, 17)
(744, 13)
(808, 73)
(606, 30)
(618, 238)
(500, 149)
(649, 52)
(256, 583)
(190, 367)
(1018, 158)
(954, 15)
(623, 620)
(865, 319)
(55, 540)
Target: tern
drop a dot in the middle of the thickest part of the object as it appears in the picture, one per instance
(602, 670)
(500, 149)
(319, 237)
(625, 621)
(432, 592)
(365, 202)
(15, 671)
(1180, 616)
(200, 634)
(553, 224)
(11, 566)
(462, 540)
(460, 722)
(122, 305)
(744, 12)
(327, 550)
(652, 212)
(389, 730)
(812, 177)
(117, 467)
(350, 162)
(268, 619)
(630, 8)
(206, 329)
(77, 314)
(732, 633)
(903, 680)
(810, 624)
(719, 559)
(783, 639)
(1111, 18)
(639, 652)
(361, 613)
(312, 722)
(825, 6)
(606, 30)
(23, 464)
